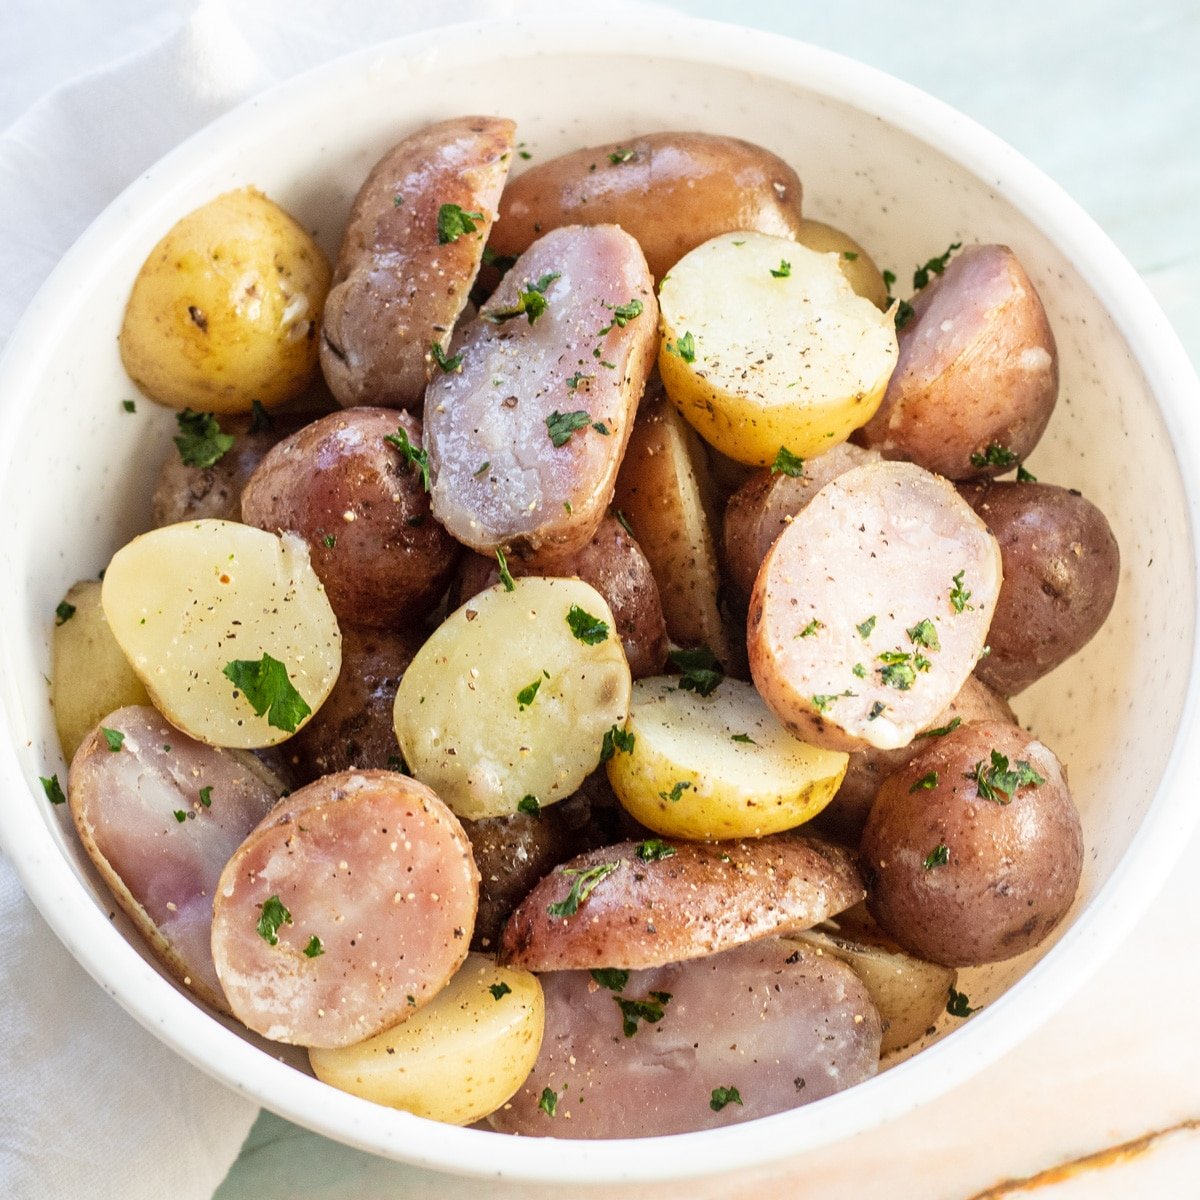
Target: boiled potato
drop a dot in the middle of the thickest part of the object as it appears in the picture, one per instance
(717, 766)
(853, 261)
(512, 696)
(224, 311)
(766, 346)
(189, 601)
(90, 676)
(910, 994)
(664, 494)
(456, 1060)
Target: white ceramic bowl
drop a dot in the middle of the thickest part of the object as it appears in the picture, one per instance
(902, 172)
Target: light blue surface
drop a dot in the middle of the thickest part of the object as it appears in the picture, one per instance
(1105, 97)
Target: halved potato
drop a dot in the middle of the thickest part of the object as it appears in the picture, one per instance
(455, 1060)
(91, 677)
(767, 346)
(512, 696)
(187, 602)
(717, 766)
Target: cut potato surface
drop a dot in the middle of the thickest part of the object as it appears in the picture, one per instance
(90, 676)
(512, 696)
(457, 1059)
(187, 601)
(717, 766)
(766, 345)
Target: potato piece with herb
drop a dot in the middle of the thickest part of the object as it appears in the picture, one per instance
(712, 765)
(853, 261)
(456, 1060)
(90, 675)
(224, 310)
(227, 626)
(512, 696)
(767, 348)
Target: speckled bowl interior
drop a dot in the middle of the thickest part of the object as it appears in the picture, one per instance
(901, 172)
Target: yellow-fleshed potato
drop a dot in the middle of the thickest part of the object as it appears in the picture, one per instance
(909, 992)
(188, 602)
(512, 695)
(766, 345)
(665, 496)
(457, 1059)
(224, 310)
(717, 766)
(91, 676)
(853, 261)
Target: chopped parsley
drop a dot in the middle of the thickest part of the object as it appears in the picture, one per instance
(722, 1096)
(654, 850)
(996, 779)
(525, 696)
(200, 440)
(114, 737)
(623, 521)
(616, 739)
(924, 634)
(787, 463)
(877, 710)
(447, 364)
(889, 278)
(53, 789)
(939, 856)
(591, 631)
(613, 978)
(600, 428)
(414, 456)
(483, 468)
(206, 796)
(586, 882)
(531, 302)
(683, 347)
(745, 739)
(397, 200)
(272, 916)
(935, 266)
(649, 1010)
(329, 541)
(784, 269)
(548, 1102)
(1024, 476)
(701, 672)
(926, 783)
(622, 315)
(315, 947)
(575, 380)
(267, 688)
(850, 255)
(676, 791)
(811, 628)
(994, 456)
(129, 406)
(942, 730)
(529, 805)
(958, 1004)
(864, 630)
(180, 815)
(904, 313)
(621, 155)
(858, 671)
(505, 575)
(260, 419)
(453, 222)
(822, 703)
(560, 426)
(959, 595)
(499, 990)
(899, 669)
(63, 613)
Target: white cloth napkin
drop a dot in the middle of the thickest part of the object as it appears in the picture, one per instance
(92, 1106)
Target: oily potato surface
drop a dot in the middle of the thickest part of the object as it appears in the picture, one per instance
(670, 190)
(224, 310)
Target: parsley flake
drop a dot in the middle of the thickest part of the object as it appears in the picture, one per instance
(206, 796)
(114, 737)
(453, 222)
(877, 710)
(505, 575)
(926, 783)
(529, 805)
(899, 670)
(267, 689)
(548, 1102)
(53, 789)
(904, 313)
(591, 631)
(811, 628)
(939, 856)
(616, 739)
(959, 595)
(560, 426)
(958, 1004)
(129, 406)
(315, 947)
(864, 630)
(180, 815)
(924, 634)
(1024, 476)
(573, 381)
(272, 916)
(683, 347)
(649, 1010)
(701, 672)
(850, 255)
(623, 521)
(499, 990)
(722, 1096)
(526, 695)
(858, 671)
(941, 730)
(935, 266)
(994, 456)
(613, 978)
(676, 791)
(531, 302)
(586, 882)
(622, 155)
(200, 441)
(654, 850)
(622, 315)
(996, 779)
(745, 739)
(414, 456)
(329, 541)
(447, 364)
(787, 463)
(63, 613)
(785, 269)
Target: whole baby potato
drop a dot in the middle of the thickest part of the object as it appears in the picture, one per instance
(224, 310)
(671, 191)
(973, 851)
(352, 485)
(1061, 567)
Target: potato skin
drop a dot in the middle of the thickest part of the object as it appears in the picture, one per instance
(1013, 867)
(671, 191)
(1061, 568)
(362, 509)
(396, 288)
(854, 262)
(613, 563)
(978, 368)
(224, 309)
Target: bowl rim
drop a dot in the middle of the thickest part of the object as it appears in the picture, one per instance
(49, 878)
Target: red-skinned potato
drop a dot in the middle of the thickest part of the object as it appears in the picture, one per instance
(695, 1045)
(358, 500)
(977, 377)
(671, 191)
(641, 904)
(1061, 567)
(613, 563)
(408, 260)
(973, 851)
